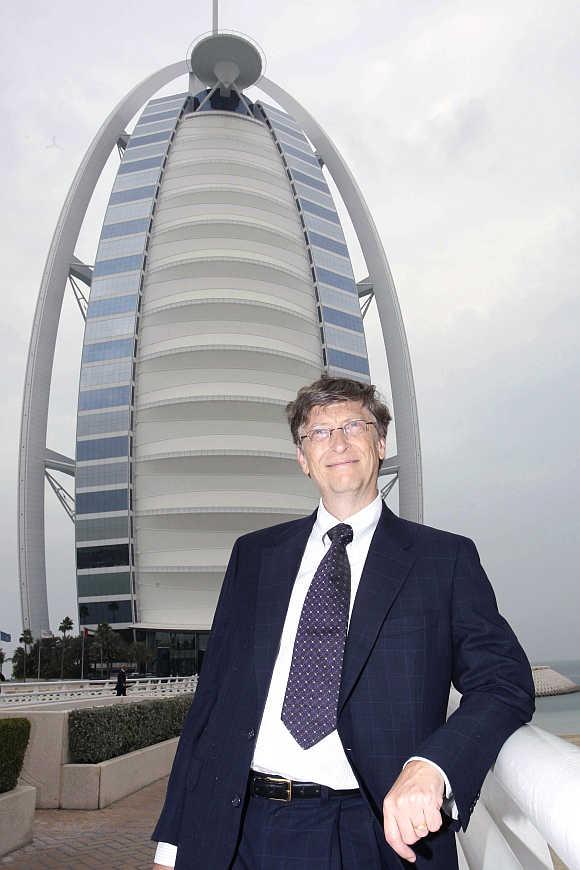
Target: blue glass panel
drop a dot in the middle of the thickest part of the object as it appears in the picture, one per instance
(102, 529)
(114, 305)
(339, 318)
(311, 182)
(113, 327)
(109, 397)
(140, 165)
(288, 130)
(103, 350)
(339, 299)
(103, 474)
(158, 116)
(283, 138)
(117, 213)
(142, 151)
(112, 612)
(312, 195)
(125, 228)
(101, 502)
(347, 361)
(103, 584)
(325, 213)
(327, 244)
(102, 557)
(102, 448)
(135, 180)
(345, 339)
(119, 264)
(116, 372)
(168, 98)
(335, 280)
(325, 227)
(135, 141)
(157, 126)
(116, 285)
(129, 195)
(123, 246)
(301, 155)
(334, 262)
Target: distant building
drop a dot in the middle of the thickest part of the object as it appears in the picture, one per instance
(222, 283)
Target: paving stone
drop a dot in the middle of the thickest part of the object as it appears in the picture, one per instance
(117, 837)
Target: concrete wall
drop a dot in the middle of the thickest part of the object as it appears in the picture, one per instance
(94, 786)
(46, 753)
(16, 817)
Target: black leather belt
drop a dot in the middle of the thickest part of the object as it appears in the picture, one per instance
(276, 788)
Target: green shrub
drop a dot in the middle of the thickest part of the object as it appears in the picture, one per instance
(14, 734)
(99, 733)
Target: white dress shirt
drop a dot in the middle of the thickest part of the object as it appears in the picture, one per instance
(276, 752)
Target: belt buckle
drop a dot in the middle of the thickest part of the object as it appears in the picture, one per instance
(287, 782)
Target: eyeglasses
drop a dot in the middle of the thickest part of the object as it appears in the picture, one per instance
(351, 430)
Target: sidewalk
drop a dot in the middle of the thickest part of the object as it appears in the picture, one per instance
(117, 837)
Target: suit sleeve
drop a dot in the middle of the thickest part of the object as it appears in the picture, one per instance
(492, 672)
(169, 824)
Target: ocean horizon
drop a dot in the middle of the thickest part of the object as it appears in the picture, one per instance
(560, 714)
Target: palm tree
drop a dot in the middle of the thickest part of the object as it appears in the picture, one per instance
(27, 639)
(66, 625)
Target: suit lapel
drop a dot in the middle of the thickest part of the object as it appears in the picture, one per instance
(388, 563)
(279, 567)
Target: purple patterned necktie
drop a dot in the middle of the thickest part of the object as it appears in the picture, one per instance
(310, 705)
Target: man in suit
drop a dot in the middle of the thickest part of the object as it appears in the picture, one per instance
(317, 738)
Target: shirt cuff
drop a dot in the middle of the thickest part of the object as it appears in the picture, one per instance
(450, 807)
(166, 854)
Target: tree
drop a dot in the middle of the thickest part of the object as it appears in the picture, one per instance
(110, 645)
(2, 658)
(66, 625)
(27, 639)
(141, 654)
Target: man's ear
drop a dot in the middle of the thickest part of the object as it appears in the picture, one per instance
(302, 461)
(382, 446)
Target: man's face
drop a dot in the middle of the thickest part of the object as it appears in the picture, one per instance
(337, 466)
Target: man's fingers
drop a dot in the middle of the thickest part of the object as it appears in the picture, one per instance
(394, 839)
(408, 833)
(433, 818)
(420, 827)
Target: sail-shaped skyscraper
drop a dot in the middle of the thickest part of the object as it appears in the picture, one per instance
(222, 283)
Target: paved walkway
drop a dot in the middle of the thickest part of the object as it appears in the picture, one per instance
(116, 837)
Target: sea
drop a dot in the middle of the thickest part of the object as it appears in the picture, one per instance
(560, 714)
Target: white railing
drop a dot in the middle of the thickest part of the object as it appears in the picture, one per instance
(31, 693)
(530, 798)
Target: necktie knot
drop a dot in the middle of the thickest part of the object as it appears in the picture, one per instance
(340, 534)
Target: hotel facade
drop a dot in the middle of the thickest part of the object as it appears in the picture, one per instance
(222, 283)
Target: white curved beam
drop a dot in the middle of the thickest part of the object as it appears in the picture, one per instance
(42, 343)
(401, 374)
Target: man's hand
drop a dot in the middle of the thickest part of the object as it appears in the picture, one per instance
(162, 867)
(411, 809)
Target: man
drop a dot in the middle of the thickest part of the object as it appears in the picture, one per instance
(317, 737)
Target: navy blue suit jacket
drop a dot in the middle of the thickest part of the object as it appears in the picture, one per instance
(425, 616)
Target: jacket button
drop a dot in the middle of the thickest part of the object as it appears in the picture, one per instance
(236, 800)
(251, 734)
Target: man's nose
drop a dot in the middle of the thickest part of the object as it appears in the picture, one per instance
(338, 440)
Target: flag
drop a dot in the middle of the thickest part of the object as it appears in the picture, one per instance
(5, 637)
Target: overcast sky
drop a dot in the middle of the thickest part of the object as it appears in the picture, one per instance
(460, 122)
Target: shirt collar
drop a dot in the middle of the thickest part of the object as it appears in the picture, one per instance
(365, 520)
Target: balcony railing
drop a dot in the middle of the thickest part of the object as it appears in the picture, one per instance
(55, 692)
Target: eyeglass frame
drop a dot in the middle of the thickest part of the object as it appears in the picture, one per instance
(334, 429)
